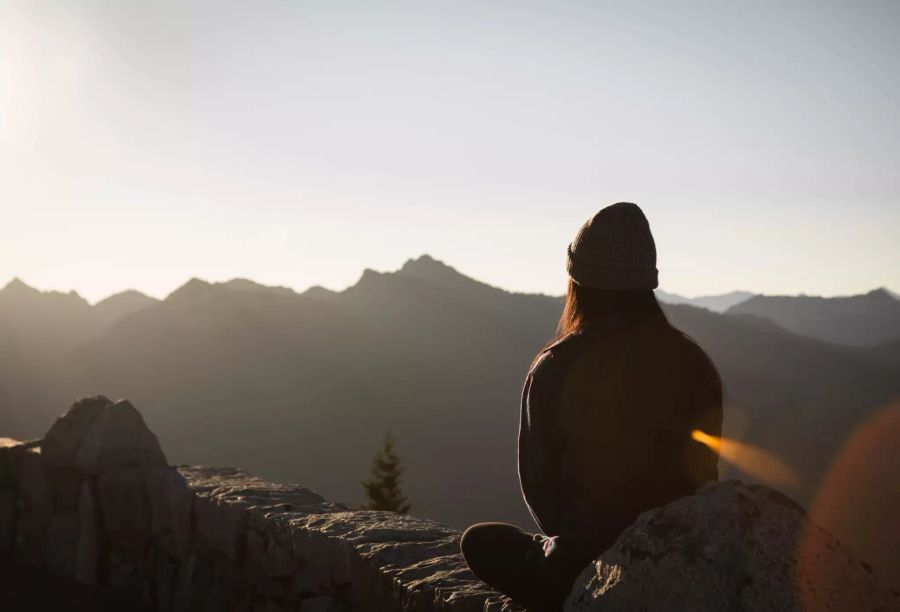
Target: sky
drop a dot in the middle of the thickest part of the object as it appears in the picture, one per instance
(298, 143)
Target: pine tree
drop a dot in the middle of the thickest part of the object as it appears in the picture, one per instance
(383, 489)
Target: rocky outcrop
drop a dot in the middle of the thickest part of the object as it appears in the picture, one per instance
(96, 502)
(729, 547)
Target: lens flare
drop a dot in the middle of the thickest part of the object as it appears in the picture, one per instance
(755, 462)
(859, 496)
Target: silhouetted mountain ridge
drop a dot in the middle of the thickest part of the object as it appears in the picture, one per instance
(301, 387)
(243, 284)
(716, 303)
(859, 320)
(118, 305)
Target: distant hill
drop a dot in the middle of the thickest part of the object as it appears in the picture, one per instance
(113, 308)
(50, 319)
(859, 320)
(888, 352)
(62, 320)
(301, 386)
(716, 303)
(243, 284)
(39, 330)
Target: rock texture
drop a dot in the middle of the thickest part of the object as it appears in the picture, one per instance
(65, 436)
(118, 439)
(96, 502)
(730, 547)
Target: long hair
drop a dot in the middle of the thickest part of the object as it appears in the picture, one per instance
(586, 308)
(635, 315)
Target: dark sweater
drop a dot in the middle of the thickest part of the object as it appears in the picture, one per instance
(605, 430)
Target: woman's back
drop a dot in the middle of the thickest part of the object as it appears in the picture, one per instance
(607, 421)
(607, 413)
(628, 406)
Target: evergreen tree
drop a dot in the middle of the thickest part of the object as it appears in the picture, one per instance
(383, 489)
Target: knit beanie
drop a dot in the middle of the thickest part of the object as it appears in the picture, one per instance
(614, 250)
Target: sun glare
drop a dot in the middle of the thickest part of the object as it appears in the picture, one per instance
(751, 460)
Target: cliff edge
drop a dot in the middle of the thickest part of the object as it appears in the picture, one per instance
(95, 502)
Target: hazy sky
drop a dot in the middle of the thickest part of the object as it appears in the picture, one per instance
(296, 143)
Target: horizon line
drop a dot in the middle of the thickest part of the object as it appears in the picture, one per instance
(423, 256)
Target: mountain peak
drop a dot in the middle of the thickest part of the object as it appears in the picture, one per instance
(421, 269)
(319, 292)
(426, 266)
(369, 273)
(115, 307)
(882, 293)
(128, 300)
(245, 284)
(716, 303)
(193, 287)
(23, 293)
(17, 286)
(196, 282)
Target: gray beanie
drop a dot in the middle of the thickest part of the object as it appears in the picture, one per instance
(614, 250)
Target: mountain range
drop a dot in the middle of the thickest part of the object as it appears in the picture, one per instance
(716, 303)
(302, 386)
(857, 320)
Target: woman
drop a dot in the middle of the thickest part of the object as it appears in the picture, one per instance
(607, 413)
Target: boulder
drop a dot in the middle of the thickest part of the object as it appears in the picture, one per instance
(387, 561)
(184, 584)
(7, 516)
(125, 509)
(224, 497)
(269, 551)
(34, 503)
(729, 547)
(87, 552)
(32, 482)
(62, 544)
(65, 487)
(222, 525)
(119, 439)
(324, 603)
(171, 502)
(102, 506)
(6, 449)
(126, 571)
(67, 433)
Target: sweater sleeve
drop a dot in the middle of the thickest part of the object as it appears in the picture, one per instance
(541, 446)
(701, 462)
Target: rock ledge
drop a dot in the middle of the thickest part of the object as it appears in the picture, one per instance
(729, 547)
(95, 501)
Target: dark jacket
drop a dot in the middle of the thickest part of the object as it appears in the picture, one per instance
(605, 430)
